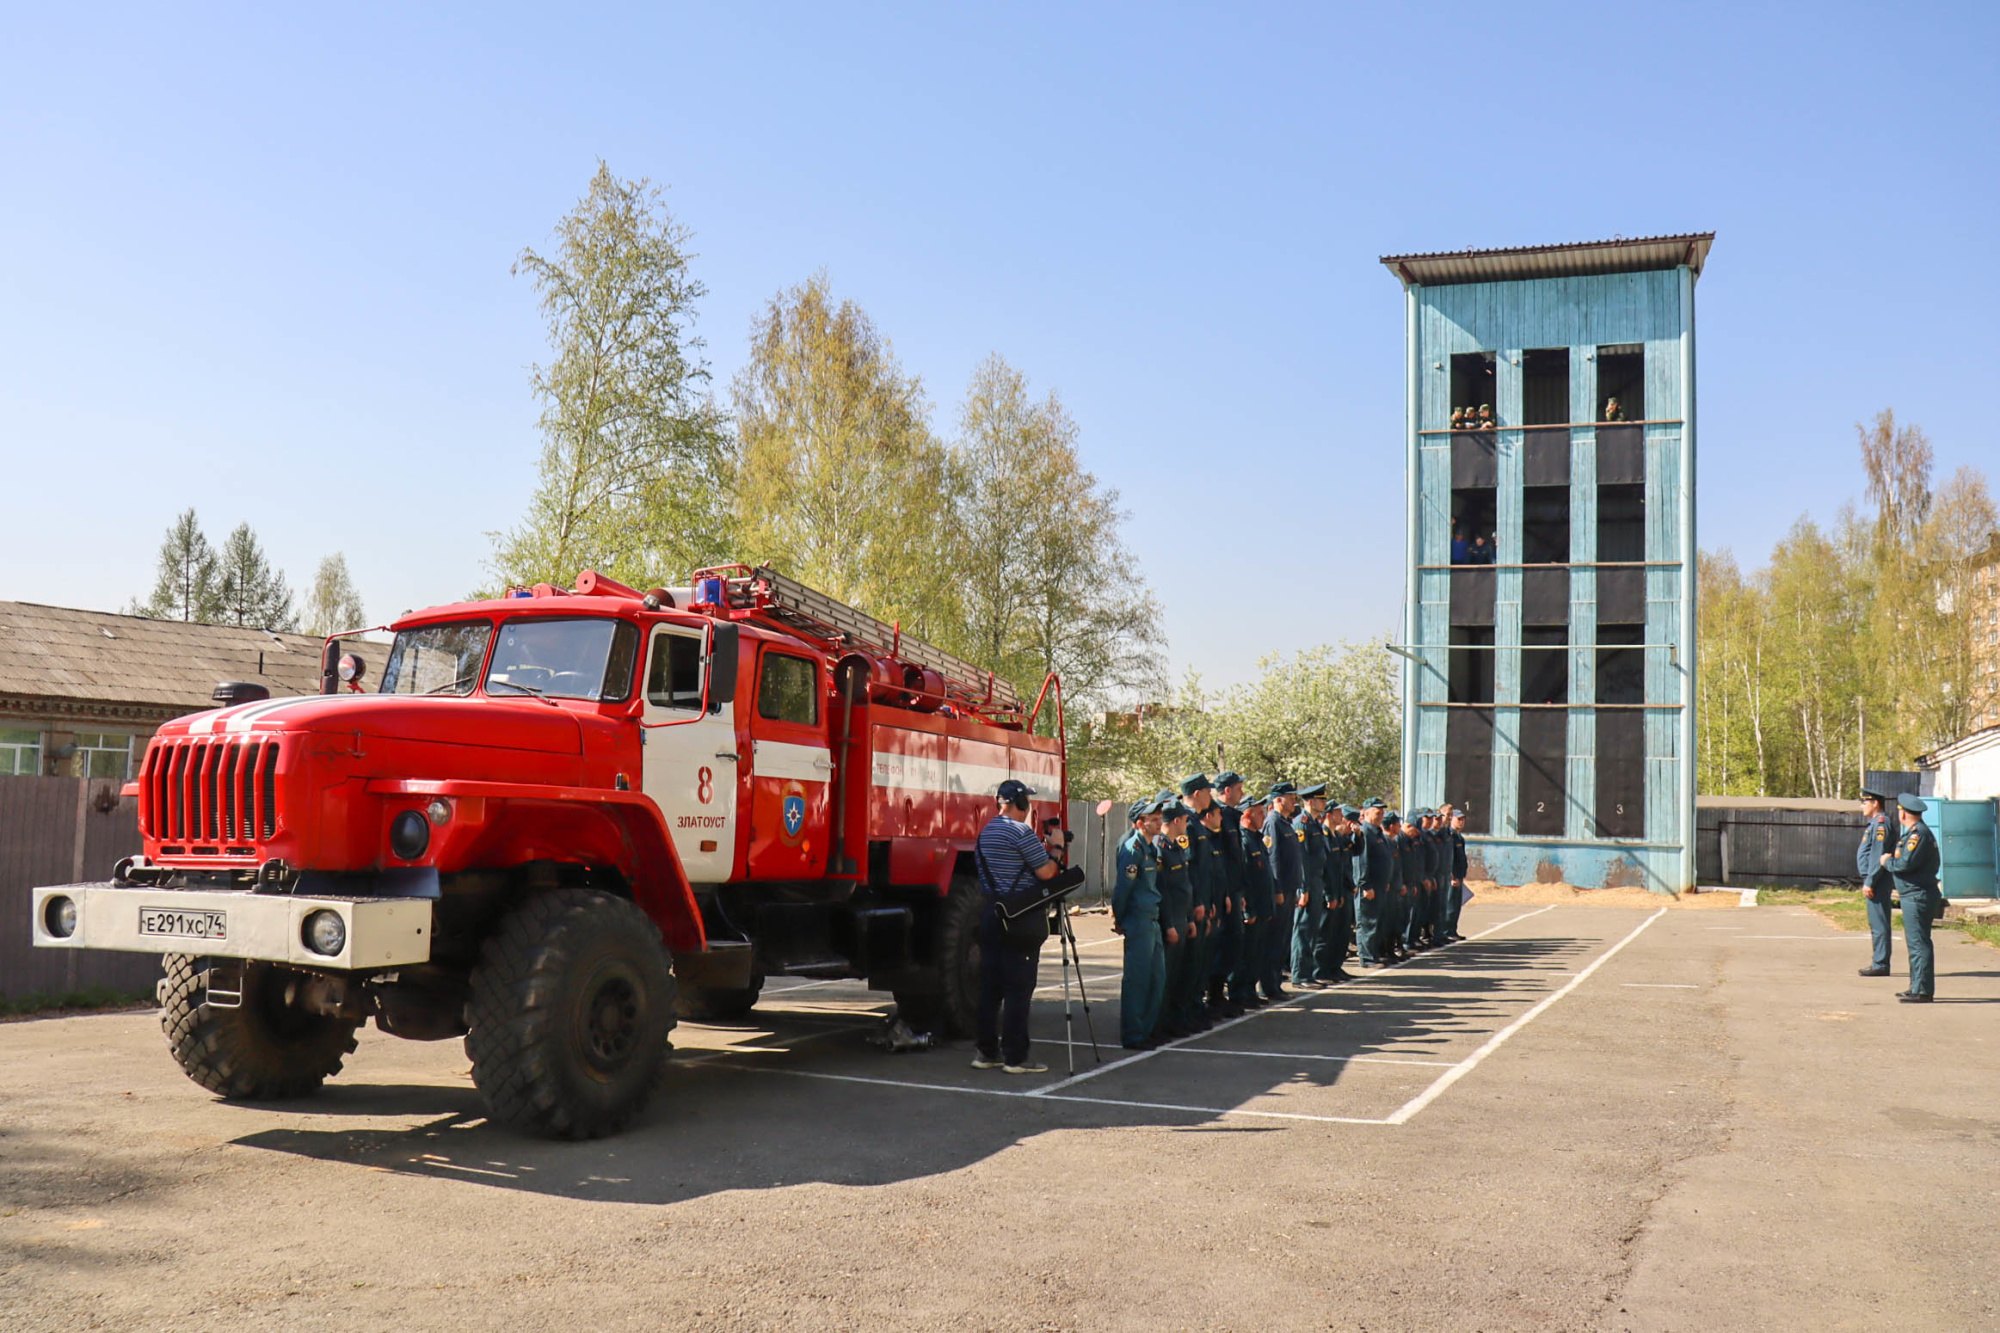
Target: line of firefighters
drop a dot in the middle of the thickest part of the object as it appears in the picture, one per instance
(1222, 897)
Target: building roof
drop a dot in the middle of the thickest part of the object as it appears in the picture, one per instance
(59, 653)
(1970, 743)
(1637, 254)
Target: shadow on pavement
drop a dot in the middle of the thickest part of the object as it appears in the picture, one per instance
(723, 1120)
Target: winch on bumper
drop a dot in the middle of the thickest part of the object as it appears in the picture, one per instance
(321, 931)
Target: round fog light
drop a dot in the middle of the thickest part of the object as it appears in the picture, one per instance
(439, 810)
(59, 916)
(409, 835)
(325, 933)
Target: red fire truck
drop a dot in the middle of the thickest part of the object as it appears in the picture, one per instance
(560, 819)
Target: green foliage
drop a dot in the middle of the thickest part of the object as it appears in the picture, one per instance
(1327, 715)
(636, 457)
(1855, 647)
(188, 586)
(333, 605)
(842, 484)
(250, 591)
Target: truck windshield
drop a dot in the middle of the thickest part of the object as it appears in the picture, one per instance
(590, 658)
(437, 659)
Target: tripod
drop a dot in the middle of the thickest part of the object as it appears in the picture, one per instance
(1073, 960)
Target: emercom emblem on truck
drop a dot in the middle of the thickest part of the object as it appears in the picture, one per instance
(560, 821)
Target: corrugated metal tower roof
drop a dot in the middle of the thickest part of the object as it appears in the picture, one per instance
(1637, 254)
(57, 652)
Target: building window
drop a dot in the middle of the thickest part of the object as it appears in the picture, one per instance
(1621, 382)
(20, 753)
(1472, 387)
(103, 754)
(1545, 387)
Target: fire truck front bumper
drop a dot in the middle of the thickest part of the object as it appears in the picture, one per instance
(321, 931)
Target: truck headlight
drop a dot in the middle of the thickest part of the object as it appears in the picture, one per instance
(325, 933)
(410, 835)
(59, 916)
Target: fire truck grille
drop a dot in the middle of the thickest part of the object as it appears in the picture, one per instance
(217, 792)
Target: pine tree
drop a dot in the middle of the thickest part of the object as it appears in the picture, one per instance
(250, 591)
(334, 604)
(188, 586)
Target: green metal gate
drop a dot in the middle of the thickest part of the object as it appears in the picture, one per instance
(1969, 845)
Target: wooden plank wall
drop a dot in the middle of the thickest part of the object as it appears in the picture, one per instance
(52, 832)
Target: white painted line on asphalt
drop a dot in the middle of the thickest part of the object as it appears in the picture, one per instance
(1659, 985)
(1497, 1040)
(1817, 939)
(1292, 999)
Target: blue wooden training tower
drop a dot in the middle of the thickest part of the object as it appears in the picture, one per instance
(1549, 622)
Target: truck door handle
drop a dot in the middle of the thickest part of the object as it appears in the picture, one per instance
(724, 754)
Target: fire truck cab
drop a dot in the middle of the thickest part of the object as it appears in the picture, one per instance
(557, 821)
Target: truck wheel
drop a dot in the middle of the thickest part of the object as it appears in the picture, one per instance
(954, 1007)
(572, 1001)
(719, 1004)
(265, 1049)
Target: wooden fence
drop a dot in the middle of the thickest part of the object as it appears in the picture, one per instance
(62, 831)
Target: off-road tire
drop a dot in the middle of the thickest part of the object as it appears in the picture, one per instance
(953, 1009)
(262, 1051)
(572, 1004)
(719, 1004)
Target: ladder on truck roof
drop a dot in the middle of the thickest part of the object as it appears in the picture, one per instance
(815, 615)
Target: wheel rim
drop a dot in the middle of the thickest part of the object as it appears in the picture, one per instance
(610, 1017)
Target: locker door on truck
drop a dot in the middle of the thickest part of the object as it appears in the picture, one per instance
(690, 769)
(791, 768)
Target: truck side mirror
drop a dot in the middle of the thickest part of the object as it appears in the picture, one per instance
(722, 647)
(329, 668)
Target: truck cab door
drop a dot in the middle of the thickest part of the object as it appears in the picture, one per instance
(791, 767)
(690, 767)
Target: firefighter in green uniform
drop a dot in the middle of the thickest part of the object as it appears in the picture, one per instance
(1337, 926)
(1285, 846)
(1399, 888)
(1251, 959)
(1229, 926)
(1454, 902)
(1914, 865)
(1875, 882)
(1176, 920)
(1199, 797)
(1377, 879)
(1135, 914)
(1309, 916)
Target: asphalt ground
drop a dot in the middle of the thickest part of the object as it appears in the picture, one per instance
(1585, 1117)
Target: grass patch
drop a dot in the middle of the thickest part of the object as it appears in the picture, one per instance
(1847, 909)
(73, 1002)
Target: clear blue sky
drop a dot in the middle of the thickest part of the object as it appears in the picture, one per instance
(257, 261)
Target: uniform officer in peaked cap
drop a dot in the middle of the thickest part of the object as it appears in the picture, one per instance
(1228, 793)
(1914, 865)
(1198, 795)
(1876, 884)
(1309, 915)
(1252, 959)
(1176, 920)
(1285, 845)
(1377, 867)
(1135, 914)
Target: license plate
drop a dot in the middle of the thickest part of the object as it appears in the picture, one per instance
(183, 924)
